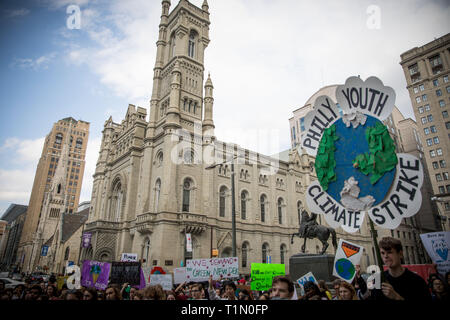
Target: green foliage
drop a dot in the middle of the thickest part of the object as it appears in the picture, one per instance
(325, 162)
(381, 157)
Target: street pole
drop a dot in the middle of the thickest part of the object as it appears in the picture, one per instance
(233, 211)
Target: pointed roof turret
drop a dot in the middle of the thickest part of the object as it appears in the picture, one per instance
(205, 6)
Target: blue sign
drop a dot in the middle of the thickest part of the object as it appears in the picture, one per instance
(44, 251)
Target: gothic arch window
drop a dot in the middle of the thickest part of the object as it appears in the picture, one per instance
(244, 199)
(188, 156)
(283, 251)
(146, 249)
(187, 187)
(173, 44)
(263, 201)
(222, 198)
(116, 202)
(59, 188)
(265, 252)
(244, 254)
(191, 46)
(157, 194)
(159, 158)
(66, 254)
(299, 211)
(280, 210)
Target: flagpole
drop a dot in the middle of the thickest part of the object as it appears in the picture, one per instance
(377, 249)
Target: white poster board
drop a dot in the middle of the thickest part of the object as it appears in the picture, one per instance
(437, 245)
(165, 280)
(307, 277)
(201, 269)
(179, 275)
(347, 257)
(129, 257)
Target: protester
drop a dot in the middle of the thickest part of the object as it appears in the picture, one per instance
(400, 283)
(439, 290)
(112, 293)
(138, 295)
(73, 295)
(360, 285)
(282, 288)
(312, 292)
(90, 294)
(244, 295)
(52, 292)
(35, 292)
(170, 295)
(265, 295)
(196, 292)
(155, 292)
(18, 293)
(229, 291)
(336, 285)
(323, 288)
(347, 291)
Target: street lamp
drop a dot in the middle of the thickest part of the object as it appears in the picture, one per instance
(233, 203)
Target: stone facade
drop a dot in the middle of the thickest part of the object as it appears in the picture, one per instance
(154, 182)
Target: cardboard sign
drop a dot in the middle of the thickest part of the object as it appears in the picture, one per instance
(437, 245)
(201, 269)
(179, 275)
(262, 275)
(126, 272)
(95, 274)
(357, 168)
(129, 257)
(302, 280)
(347, 256)
(165, 280)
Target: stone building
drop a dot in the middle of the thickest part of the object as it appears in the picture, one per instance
(426, 70)
(152, 183)
(56, 187)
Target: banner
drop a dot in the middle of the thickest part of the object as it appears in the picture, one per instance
(188, 242)
(129, 257)
(86, 240)
(347, 256)
(302, 280)
(126, 272)
(262, 275)
(179, 275)
(437, 245)
(165, 280)
(201, 269)
(95, 274)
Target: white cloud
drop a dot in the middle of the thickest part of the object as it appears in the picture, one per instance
(92, 153)
(266, 57)
(40, 63)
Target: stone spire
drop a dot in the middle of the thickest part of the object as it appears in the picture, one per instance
(205, 6)
(208, 122)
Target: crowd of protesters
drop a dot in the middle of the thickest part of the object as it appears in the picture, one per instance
(398, 284)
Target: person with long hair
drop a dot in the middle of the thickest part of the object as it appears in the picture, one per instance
(347, 291)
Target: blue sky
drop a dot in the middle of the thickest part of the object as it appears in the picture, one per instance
(266, 59)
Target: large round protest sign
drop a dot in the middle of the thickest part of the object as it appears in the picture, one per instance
(357, 167)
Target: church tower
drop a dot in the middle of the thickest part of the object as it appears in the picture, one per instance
(177, 96)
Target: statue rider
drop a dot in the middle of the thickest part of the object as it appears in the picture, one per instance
(307, 224)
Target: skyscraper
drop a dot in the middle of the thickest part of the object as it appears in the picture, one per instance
(426, 71)
(56, 187)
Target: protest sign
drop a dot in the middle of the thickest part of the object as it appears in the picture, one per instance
(179, 275)
(126, 272)
(307, 277)
(165, 280)
(95, 274)
(60, 281)
(262, 275)
(201, 269)
(347, 256)
(129, 257)
(86, 239)
(437, 245)
(357, 167)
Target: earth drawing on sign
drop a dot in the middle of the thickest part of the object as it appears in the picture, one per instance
(345, 268)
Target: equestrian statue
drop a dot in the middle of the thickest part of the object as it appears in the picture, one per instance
(310, 229)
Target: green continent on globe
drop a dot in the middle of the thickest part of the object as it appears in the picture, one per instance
(381, 157)
(325, 162)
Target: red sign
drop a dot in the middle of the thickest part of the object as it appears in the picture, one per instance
(157, 270)
(423, 270)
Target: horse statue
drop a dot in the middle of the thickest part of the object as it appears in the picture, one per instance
(310, 229)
